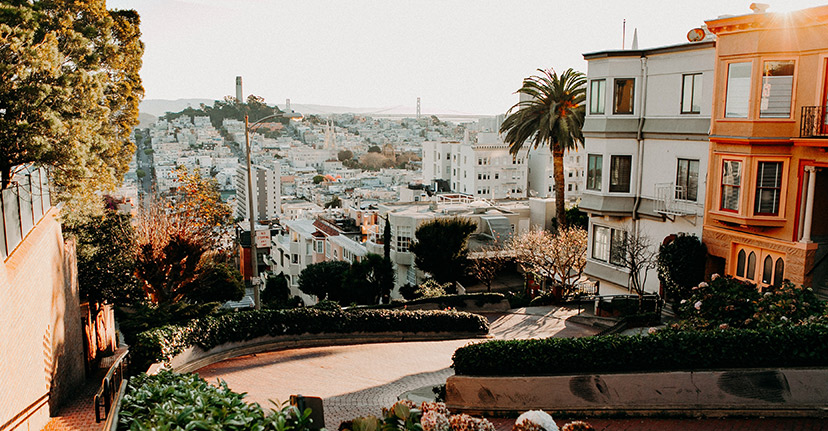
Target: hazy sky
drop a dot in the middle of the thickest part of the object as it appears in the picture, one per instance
(457, 56)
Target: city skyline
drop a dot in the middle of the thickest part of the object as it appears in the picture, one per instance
(458, 57)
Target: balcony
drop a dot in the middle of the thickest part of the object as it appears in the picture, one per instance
(672, 200)
(813, 122)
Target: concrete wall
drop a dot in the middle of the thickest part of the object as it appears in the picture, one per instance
(41, 336)
(748, 392)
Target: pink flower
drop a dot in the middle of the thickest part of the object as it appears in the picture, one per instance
(697, 305)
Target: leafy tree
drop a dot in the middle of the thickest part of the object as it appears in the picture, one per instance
(386, 239)
(681, 266)
(106, 264)
(318, 179)
(277, 291)
(168, 251)
(440, 248)
(366, 281)
(345, 155)
(140, 173)
(553, 115)
(323, 279)
(560, 256)
(335, 202)
(486, 263)
(177, 240)
(575, 218)
(216, 281)
(198, 201)
(374, 149)
(375, 161)
(69, 92)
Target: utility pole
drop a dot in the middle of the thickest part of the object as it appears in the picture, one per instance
(254, 261)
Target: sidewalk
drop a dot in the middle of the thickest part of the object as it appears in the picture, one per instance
(79, 413)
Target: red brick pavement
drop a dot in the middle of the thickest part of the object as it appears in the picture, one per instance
(78, 414)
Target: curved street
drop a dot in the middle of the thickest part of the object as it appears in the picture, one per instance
(359, 380)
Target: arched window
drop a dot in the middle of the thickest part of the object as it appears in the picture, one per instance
(751, 266)
(779, 274)
(740, 263)
(767, 270)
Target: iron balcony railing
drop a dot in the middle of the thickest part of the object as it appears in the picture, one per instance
(813, 123)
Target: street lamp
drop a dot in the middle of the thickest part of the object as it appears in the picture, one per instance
(254, 263)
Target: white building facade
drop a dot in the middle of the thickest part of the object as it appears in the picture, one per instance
(646, 151)
(267, 196)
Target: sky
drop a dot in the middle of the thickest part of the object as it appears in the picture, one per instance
(458, 56)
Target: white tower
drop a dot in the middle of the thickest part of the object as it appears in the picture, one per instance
(418, 108)
(239, 93)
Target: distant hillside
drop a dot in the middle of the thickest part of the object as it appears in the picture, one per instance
(146, 120)
(159, 107)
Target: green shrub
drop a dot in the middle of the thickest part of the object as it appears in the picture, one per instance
(173, 401)
(328, 306)
(409, 291)
(725, 300)
(666, 350)
(162, 344)
(681, 266)
(445, 301)
(144, 317)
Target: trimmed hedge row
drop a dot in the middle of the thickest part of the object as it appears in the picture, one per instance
(667, 350)
(443, 301)
(162, 344)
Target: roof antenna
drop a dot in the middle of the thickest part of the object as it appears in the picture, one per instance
(624, 33)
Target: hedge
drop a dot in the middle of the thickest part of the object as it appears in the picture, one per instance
(172, 401)
(444, 301)
(162, 344)
(667, 350)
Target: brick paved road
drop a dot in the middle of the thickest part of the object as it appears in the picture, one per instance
(359, 380)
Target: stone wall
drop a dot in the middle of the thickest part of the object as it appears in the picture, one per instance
(41, 338)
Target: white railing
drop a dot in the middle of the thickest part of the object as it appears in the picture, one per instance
(672, 200)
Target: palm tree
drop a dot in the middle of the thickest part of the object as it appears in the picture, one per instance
(552, 115)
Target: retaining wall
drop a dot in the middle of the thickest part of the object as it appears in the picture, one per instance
(745, 392)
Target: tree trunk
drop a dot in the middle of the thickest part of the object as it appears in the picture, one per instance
(560, 184)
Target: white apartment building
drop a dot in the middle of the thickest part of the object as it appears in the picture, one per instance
(541, 173)
(480, 166)
(267, 184)
(646, 131)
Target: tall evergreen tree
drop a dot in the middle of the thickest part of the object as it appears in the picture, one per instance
(440, 248)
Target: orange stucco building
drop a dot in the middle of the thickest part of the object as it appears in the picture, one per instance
(767, 195)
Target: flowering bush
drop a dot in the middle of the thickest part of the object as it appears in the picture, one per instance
(787, 304)
(435, 421)
(431, 289)
(727, 303)
(723, 300)
(465, 422)
(578, 426)
(534, 420)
